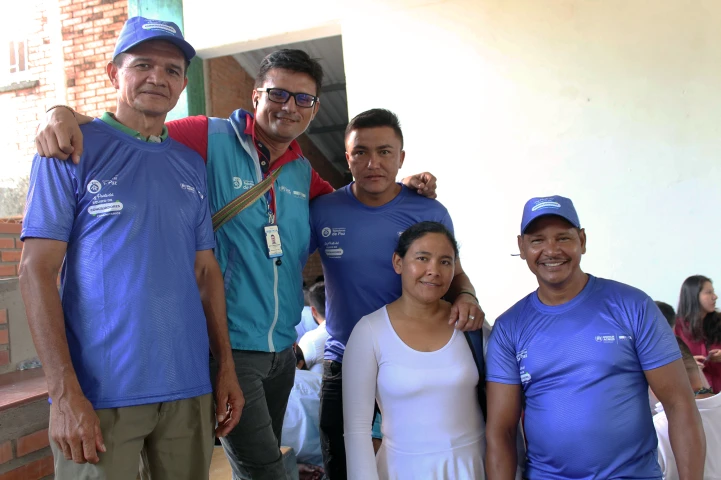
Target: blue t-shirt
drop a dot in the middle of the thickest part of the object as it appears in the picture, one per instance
(581, 368)
(133, 215)
(356, 244)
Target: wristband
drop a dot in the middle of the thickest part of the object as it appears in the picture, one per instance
(57, 106)
(468, 292)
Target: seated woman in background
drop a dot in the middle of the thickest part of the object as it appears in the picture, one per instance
(420, 370)
(699, 326)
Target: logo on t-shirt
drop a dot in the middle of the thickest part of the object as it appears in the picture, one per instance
(103, 209)
(333, 232)
(606, 338)
(522, 372)
(94, 187)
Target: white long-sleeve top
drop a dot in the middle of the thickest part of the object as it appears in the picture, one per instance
(710, 410)
(428, 401)
(313, 345)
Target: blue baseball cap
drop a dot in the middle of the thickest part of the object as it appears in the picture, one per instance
(553, 205)
(140, 29)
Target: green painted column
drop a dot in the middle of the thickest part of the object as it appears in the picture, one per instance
(192, 100)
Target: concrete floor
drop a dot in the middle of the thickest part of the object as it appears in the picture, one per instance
(219, 466)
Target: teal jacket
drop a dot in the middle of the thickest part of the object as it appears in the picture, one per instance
(264, 296)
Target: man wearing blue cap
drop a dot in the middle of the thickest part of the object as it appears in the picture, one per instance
(577, 355)
(125, 343)
(254, 160)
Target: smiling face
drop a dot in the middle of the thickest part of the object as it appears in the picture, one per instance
(552, 248)
(149, 78)
(427, 268)
(284, 122)
(707, 298)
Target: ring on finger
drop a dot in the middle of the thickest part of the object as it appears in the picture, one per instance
(471, 317)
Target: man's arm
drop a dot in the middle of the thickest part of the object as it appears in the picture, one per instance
(671, 386)
(229, 399)
(504, 413)
(74, 425)
(465, 303)
(423, 183)
(61, 136)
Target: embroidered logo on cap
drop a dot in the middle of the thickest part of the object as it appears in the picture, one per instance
(545, 204)
(159, 26)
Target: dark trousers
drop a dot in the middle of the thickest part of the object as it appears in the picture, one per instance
(331, 421)
(253, 447)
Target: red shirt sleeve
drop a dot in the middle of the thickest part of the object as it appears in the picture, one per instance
(318, 186)
(191, 132)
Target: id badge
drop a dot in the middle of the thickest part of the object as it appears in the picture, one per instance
(272, 240)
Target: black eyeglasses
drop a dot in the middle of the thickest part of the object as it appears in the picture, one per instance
(278, 95)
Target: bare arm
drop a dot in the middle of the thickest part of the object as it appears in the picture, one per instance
(74, 425)
(229, 399)
(504, 413)
(671, 386)
(61, 137)
(465, 303)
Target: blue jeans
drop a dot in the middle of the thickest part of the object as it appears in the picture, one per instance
(253, 446)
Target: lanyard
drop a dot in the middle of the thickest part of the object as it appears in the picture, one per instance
(272, 207)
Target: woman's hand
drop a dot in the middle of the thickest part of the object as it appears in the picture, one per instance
(714, 356)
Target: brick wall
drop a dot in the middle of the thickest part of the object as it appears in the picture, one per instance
(10, 251)
(4, 347)
(26, 94)
(229, 87)
(90, 29)
(10, 246)
(24, 444)
(312, 269)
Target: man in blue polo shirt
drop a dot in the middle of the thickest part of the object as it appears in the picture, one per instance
(578, 355)
(356, 231)
(263, 287)
(125, 343)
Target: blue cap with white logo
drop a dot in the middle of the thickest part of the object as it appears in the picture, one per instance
(140, 29)
(553, 205)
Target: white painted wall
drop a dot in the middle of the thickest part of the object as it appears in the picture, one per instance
(614, 103)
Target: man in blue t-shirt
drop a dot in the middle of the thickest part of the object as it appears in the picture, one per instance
(577, 355)
(125, 343)
(356, 231)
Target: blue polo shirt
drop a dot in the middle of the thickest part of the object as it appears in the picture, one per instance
(356, 244)
(581, 367)
(133, 215)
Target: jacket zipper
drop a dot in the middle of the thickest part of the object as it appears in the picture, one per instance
(271, 347)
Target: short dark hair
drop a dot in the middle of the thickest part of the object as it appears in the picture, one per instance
(299, 357)
(317, 297)
(420, 230)
(293, 60)
(376, 117)
(668, 312)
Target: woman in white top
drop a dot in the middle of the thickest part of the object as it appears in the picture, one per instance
(421, 372)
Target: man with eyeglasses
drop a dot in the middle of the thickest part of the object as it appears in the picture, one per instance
(263, 281)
